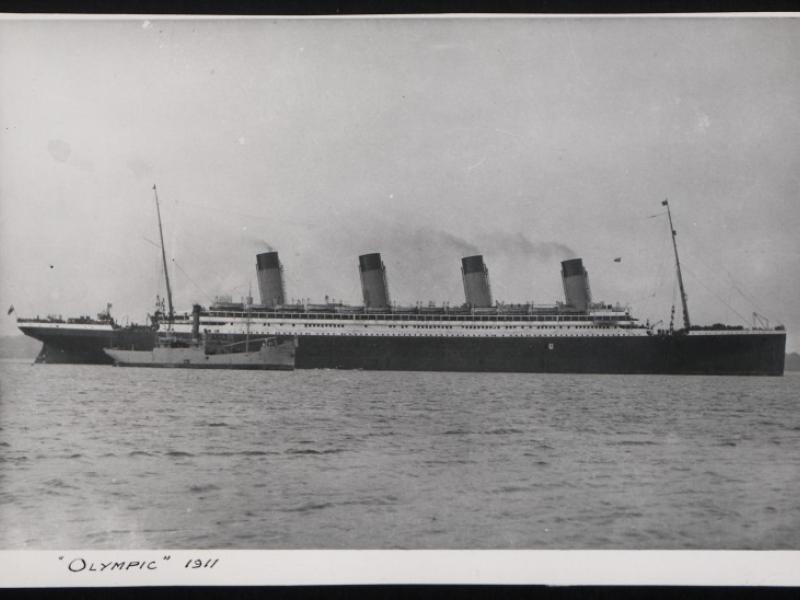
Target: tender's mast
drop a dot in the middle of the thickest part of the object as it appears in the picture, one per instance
(171, 314)
(686, 322)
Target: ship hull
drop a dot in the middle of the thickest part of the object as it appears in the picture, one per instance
(275, 357)
(70, 345)
(730, 354)
(237, 367)
(709, 353)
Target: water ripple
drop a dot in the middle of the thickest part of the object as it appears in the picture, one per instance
(308, 507)
(333, 459)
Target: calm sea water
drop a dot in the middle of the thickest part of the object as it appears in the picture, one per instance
(101, 457)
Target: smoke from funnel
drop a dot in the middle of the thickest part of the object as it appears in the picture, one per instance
(261, 245)
(518, 244)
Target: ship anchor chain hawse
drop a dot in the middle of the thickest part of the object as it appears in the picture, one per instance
(578, 335)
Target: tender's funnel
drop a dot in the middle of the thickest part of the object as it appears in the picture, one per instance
(373, 280)
(476, 282)
(270, 279)
(577, 293)
(196, 322)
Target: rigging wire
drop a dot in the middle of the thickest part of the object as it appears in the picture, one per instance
(662, 256)
(710, 291)
(745, 296)
(161, 271)
(151, 242)
(662, 267)
(246, 284)
(288, 278)
(731, 282)
(192, 281)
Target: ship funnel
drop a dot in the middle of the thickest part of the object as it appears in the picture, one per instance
(576, 284)
(476, 282)
(270, 279)
(373, 281)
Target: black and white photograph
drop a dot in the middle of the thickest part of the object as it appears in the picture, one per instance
(399, 283)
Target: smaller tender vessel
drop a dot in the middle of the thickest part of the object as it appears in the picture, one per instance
(270, 354)
(266, 353)
(201, 352)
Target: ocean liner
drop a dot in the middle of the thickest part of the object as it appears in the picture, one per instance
(577, 335)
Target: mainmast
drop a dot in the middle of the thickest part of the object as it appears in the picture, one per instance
(686, 323)
(171, 315)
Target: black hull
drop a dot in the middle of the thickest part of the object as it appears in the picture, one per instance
(731, 354)
(72, 346)
(713, 354)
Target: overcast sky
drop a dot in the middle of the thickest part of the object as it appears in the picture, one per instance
(528, 140)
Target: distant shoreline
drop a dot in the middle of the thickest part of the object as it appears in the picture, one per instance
(19, 346)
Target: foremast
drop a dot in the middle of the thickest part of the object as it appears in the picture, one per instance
(684, 304)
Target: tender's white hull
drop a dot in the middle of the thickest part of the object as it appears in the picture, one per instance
(280, 356)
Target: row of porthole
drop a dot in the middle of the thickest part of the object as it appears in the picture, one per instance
(447, 326)
(450, 334)
(422, 327)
